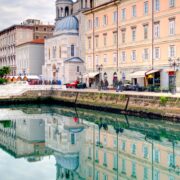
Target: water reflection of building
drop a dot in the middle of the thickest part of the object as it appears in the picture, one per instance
(65, 136)
(130, 155)
(23, 137)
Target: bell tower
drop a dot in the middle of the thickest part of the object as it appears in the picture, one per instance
(63, 8)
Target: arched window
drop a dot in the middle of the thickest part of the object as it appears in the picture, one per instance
(66, 11)
(61, 12)
(82, 4)
(91, 3)
(72, 50)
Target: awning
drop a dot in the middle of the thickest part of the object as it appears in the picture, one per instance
(91, 74)
(169, 70)
(153, 71)
(138, 74)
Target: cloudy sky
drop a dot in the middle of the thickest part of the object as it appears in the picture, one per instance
(16, 11)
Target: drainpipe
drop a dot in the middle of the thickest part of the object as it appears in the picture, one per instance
(152, 43)
(93, 43)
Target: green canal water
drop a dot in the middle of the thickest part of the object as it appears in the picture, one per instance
(54, 143)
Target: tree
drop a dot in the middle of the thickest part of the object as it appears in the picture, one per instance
(4, 71)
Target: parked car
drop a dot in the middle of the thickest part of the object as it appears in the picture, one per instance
(72, 85)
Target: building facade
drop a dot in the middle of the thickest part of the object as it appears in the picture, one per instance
(15, 35)
(65, 51)
(30, 57)
(134, 40)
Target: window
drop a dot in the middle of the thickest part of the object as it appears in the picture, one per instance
(123, 60)
(145, 173)
(115, 61)
(171, 178)
(123, 36)
(105, 140)
(115, 162)
(96, 41)
(146, 54)
(146, 31)
(123, 142)
(172, 52)
(123, 166)
(89, 24)
(89, 42)
(145, 151)
(115, 38)
(105, 39)
(73, 139)
(133, 174)
(105, 177)
(105, 20)
(157, 52)
(105, 159)
(45, 29)
(96, 22)
(171, 160)
(105, 58)
(156, 30)
(123, 14)
(89, 171)
(49, 53)
(171, 3)
(97, 59)
(59, 52)
(96, 175)
(114, 17)
(54, 52)
(156, 175)
(134, 11)
(78, 69)
(133, 149)
(72, 50)
(133, 34)
(157, 5)
(97, 155)
(133, 57)
(156, 156)
(146, 9)
(171, 26)
(89, 153)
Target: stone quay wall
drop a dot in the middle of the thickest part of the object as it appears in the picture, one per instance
(163, 107)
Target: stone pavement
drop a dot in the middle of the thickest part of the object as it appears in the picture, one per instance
(18, 89)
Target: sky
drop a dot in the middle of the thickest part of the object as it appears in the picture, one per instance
(16, 11)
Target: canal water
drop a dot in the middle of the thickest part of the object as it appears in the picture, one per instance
(54, 143)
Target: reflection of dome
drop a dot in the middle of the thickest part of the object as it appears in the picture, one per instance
(67, 24)
(69, 162)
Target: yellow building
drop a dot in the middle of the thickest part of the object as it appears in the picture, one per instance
(119, 36)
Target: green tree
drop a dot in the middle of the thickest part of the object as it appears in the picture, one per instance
(4, 71)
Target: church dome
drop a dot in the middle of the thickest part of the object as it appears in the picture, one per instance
(68, 23)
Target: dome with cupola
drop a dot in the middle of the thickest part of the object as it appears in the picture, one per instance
(67, 24)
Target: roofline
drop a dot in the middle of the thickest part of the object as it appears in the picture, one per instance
(101, 6)
(30, 42)
(14, 27)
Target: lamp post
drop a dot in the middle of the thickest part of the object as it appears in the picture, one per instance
(57, 71)
(175, 63)
(99, 69)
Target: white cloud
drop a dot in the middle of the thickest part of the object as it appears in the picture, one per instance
(16, 11)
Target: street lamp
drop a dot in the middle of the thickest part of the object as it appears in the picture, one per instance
(57, 70)
(99, 69)
(175, 63)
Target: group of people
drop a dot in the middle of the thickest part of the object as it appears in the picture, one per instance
(104, 84)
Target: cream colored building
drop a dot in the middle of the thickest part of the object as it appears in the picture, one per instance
(30, 58)
(119, 36)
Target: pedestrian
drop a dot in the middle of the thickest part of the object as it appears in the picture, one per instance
(106, 84)
(120, 86)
